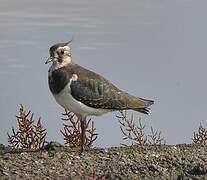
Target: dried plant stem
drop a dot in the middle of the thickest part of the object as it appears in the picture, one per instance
(28, 136)
(72, 130)
(201, 136)
(155, 137)
(135, 132)
(131, 130)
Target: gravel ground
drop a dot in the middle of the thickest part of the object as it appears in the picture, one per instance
(148, 162)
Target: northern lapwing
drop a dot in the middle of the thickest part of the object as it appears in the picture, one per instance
(84, 92)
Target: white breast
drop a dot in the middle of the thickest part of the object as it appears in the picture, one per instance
(65, 99)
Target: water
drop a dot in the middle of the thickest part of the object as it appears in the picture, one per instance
(152, 49)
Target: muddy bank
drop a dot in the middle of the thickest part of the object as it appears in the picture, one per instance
(149, 162)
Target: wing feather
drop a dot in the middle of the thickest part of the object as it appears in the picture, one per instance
(95, 91)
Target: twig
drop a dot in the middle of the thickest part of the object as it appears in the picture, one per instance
(131, 130)
(201, 136)
(155, 138)
(28, 136)
(72, 131)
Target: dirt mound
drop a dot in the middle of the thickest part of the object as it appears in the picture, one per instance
(148, 162)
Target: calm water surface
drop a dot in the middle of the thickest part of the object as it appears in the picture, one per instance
(152, 49)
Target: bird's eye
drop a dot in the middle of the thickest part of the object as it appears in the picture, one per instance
(62, 51)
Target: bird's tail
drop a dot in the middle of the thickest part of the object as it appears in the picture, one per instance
(143, 106)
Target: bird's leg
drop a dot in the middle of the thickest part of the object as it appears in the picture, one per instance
(83, 133)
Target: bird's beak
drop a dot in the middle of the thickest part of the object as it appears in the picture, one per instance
(48, 60)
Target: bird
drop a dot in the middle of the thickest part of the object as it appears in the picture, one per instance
(84, 92)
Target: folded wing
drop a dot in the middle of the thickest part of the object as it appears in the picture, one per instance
(95, 91)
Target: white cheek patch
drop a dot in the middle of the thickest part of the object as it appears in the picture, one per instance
(67, 52)
(67, 48)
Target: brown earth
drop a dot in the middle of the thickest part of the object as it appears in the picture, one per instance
(148, 162)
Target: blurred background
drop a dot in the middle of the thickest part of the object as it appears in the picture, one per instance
(152, 49)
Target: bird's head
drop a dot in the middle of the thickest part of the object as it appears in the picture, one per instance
(60, 54)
